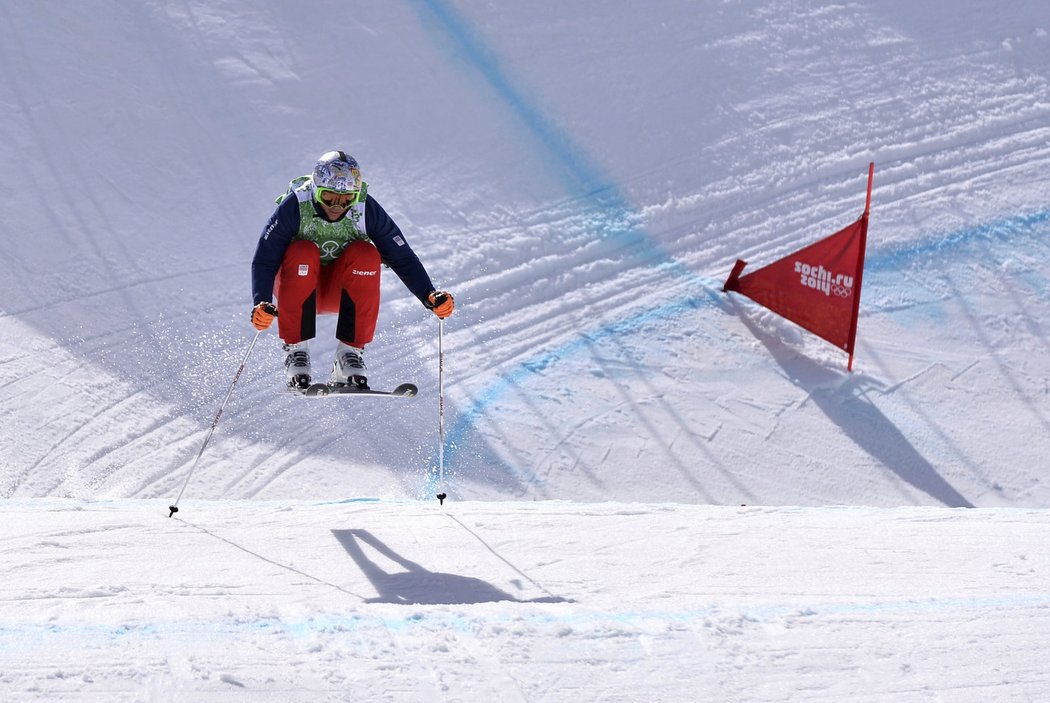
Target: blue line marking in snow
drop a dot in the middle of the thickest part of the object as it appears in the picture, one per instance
(23, 637)
(581, 176)
(472, 48)
(1006, 227)
(584, 178)
(344, 501)
(465, 419)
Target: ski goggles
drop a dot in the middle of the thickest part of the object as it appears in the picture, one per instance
(337, 199)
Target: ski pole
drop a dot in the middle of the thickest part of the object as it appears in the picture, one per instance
(441, 413)
(174, 507)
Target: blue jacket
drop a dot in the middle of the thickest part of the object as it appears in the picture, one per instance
(283, 226)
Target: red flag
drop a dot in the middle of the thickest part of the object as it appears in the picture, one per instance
(817, 287)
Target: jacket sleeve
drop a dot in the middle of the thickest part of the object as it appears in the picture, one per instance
(395, 251)
(278, 233)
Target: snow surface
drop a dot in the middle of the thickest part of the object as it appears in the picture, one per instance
(582, 176)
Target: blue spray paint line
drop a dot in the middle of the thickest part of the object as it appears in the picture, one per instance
(1018, 225)
(585, 177)
(582, 178)
(24, 637)
(465, 420)
(347, 501)
(1005, 228)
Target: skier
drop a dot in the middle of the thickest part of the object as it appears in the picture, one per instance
(320, 252)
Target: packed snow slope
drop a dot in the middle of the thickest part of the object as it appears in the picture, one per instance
(497, 601)
(582, 177)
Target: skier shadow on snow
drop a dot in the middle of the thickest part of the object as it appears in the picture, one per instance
(844, 404)
(416, 585)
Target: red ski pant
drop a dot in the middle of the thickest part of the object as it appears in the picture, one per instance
(348, 286)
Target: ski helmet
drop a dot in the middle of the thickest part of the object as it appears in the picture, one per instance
(335, 170)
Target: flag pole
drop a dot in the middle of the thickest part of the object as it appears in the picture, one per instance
(871, 176)
(860, 267)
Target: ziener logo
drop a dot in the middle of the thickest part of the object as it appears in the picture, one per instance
(819, 278)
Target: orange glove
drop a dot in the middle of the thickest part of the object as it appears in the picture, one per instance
(441, 302)
(263, 314)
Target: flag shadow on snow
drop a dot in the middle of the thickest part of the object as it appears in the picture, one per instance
(859, 419)
(414, 584)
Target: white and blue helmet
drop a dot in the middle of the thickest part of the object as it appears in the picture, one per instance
(336, 170)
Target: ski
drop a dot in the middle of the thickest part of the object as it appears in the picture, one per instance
(405, 390)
